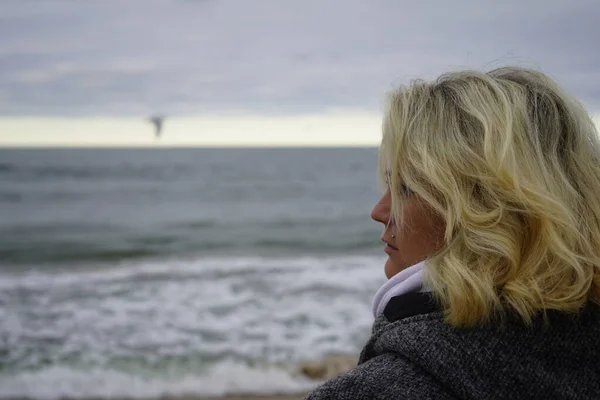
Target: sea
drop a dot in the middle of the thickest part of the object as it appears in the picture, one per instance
(145, 273)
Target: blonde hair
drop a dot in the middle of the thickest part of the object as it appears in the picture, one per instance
(511, 163)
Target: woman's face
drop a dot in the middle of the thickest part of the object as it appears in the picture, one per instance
(421, 235)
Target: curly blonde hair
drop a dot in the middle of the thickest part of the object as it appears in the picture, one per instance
(511, 163)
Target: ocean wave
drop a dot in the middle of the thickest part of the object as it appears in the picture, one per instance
(44, 245)
(6, 167)
(105, 172)
(184, 268)
(71, 254)
(227, 378)
(57, 228)
(11, 198)
(205, 326)
(193, 225)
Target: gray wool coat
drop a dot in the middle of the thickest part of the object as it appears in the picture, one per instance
(413, 354)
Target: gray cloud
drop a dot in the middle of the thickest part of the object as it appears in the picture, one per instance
(190, 57)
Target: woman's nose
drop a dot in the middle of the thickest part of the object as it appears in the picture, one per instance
(381, 211)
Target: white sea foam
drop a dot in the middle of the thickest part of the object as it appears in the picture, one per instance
(198, 317)
(40, 278)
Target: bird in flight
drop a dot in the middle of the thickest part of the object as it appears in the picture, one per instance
(157, 121)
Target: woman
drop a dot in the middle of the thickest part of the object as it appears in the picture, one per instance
(492, 227)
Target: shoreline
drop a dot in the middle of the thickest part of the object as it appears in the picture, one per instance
(320, 371)
(297, 396)
(281, 396)
(312, 373)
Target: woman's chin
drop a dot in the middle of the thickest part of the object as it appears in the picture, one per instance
(390, 268)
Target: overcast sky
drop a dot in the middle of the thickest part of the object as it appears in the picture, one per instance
(135, 57)
(274, 59)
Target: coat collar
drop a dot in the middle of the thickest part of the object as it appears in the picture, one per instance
(410, 304)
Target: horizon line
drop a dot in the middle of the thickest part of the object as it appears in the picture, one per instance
(184, 146)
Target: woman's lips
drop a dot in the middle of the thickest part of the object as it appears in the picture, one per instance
(389, 248)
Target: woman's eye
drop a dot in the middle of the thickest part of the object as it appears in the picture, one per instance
(404, 190)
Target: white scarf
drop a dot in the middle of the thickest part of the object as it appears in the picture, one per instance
(406, 281)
